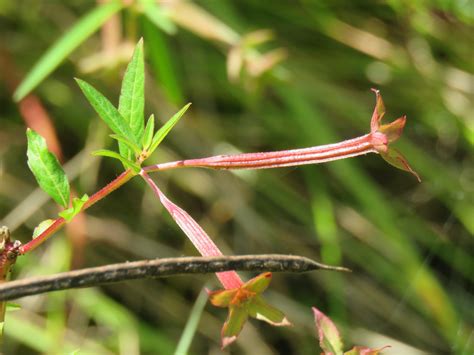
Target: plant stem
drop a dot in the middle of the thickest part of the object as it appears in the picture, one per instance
(197, 235)
(59, 222)
(264, 160)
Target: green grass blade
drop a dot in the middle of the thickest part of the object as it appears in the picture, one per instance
(132, 97)
(158, 16)
(191, 325)
(166, 128)
(162, 62)
(65, 45)
(107, 111)
(46, 169)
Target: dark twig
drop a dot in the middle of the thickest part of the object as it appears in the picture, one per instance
(158, 268)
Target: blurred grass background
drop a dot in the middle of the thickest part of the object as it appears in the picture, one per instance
(303, 82)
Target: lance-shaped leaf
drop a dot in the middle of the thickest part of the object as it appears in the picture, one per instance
(108, 153)
(107, 111)
(46, 169)
(77, 204)
(395, 158)
(327, 333)
(166, 128)
(132, 98)
(148, 133)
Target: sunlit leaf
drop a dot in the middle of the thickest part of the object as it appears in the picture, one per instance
(259, 283)
(233, 325)
(158, 16)
(77, 204)
(108, 153)
(46, 169)
(107, 111)
(148, 133)
(124, 141)
(132, 98)
(42, 227)
(65, 45)
(13, 307)
(328, 335)
(166, 128)
(258, 308)
(222, 298)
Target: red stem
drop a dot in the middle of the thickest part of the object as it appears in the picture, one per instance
(197, 235)
(313, 155)
(59, 222)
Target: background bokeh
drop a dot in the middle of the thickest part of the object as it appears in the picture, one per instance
(304, 81)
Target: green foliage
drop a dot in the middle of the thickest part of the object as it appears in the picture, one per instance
(111, 154)
(166, 128)
(132, 99)
(46, 169)
(40, 228)
(77, 204)
(107, 112)
(87, 25)
(148, 133)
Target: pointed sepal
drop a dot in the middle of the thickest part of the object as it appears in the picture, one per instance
(327, 333)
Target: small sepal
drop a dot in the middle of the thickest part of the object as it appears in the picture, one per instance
(243, 302)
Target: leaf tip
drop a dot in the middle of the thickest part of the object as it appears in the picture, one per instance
(226, 341)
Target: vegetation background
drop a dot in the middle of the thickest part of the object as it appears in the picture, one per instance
(410, 245)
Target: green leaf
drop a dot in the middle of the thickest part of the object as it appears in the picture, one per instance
(13, 307)
(107, 111)
(233, 325)
(42, 227)
(166, 128)
(65, 45)
(108, 153)
(148, 133)
(132, 146)
(132, 98)
(46, 169)
(258, 308)
(329, 338)
(222, 298)
(77, 204)
(158, 16)
(259, 283)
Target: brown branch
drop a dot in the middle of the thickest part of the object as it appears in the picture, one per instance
(158, 268)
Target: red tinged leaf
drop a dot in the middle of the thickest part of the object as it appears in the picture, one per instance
(379, 111)
(363, 350)
(222, 298)
(393, 130)
(395, 158)
(259, 283)
(327, 333)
